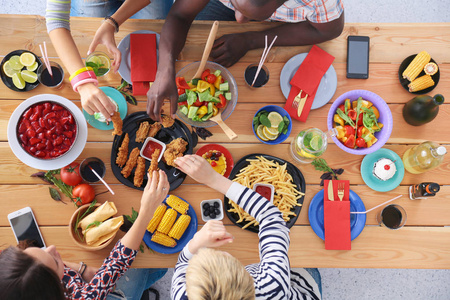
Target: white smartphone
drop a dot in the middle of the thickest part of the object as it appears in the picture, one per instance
(25, 227)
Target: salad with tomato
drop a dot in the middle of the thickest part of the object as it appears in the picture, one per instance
(201, 98)
(356, 123)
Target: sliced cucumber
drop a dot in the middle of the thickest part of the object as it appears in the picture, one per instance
(183, 109)
(217, 73)
(228, 96)
(224, 87)
(192, 112)
(217, 93)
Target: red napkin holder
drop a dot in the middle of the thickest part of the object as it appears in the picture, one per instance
(337, 218)
(307, 79)
(143, 62)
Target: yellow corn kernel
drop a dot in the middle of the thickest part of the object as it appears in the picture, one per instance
(163, 239)
(416, 66)
(421, 83)
(157, 216)
(338, 119)
(179, 227)
(167, 221)
(177, 204)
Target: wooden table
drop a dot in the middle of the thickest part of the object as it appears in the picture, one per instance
(423, 243)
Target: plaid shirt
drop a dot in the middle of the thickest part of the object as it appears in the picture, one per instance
(294, 11)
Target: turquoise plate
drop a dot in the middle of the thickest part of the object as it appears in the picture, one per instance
(121, 102)
(373, 182)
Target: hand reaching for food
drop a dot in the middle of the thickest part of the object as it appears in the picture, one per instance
(213, 234)
(155, 192)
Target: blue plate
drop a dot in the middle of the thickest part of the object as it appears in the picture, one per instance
(357, 221)
(121, 102)
(373, 182)
(187, 236)
(282, 137)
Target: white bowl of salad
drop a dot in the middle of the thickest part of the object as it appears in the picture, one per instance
(201, 99)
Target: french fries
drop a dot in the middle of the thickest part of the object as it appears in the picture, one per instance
(262, 170)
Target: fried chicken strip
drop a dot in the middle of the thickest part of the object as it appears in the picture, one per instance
(117, 122)
(141, 133)
(131, 162)
(154, 128)
(154, 163)
(140, 172)
(174, 149)
(167, 121)
(122, 154)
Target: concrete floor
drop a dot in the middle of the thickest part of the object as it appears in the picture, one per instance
(348, 284)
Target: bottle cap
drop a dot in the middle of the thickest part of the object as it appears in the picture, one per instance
(441, 150)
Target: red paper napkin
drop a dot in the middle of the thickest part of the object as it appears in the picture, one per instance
(337, 218)
(143, 62)
(307, 78)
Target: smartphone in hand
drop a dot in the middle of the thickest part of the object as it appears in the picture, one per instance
(25, 227)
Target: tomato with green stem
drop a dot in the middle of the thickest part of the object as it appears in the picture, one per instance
(70, 174)
(83, 194)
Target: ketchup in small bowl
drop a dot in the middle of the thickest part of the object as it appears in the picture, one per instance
(265, 190)
(150, 145)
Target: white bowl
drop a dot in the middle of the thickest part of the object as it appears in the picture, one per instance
(156, 141)
(271, 187)
(211, 202)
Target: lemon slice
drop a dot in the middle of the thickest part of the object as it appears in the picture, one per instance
(106, 62)
(305, 154)
(33, 67)
(95, 59)
(27, 59)
(316, 142)
(15, 63)
(260, 133)
(269, 135)
(9, 71)
(271, 130)
(275, 119)
(29, 76)
(18, 81)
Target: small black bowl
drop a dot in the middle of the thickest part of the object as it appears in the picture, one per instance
(8, 80)
(404, 82)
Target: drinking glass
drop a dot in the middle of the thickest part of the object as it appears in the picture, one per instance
(393, 216)
(95, 163)
(261, 80)
(308, 145)
(100, 62)
(52, 81)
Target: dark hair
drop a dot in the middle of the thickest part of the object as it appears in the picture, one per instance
(24, 278)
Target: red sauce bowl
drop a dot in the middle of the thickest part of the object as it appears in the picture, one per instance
(150, 145)
(265, 190)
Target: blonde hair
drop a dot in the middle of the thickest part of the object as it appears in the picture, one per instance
(216, 275)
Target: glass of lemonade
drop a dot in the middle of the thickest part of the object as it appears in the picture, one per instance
(308, 145)
(100, 62)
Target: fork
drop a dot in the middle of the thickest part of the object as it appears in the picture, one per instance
(340, 192)
(299, 102)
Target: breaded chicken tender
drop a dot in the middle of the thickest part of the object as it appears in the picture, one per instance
(141, 133)
(154, 128)
(167, 121)
(140, 172)
(122, 154)
(154, 163)
(131, 162)
(117, 122)
(174, 149)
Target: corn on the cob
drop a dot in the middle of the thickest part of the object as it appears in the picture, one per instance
(163, 239)
(416, 66)
(167, 221)
(430, 68)
(179, 227)
(421, 83)
(157, 216)
(177, 204)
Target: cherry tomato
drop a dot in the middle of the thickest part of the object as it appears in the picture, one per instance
(360, 119)
(182, 103)
(349, 130)
(223, 102)
(181, 83)
(198, 103)
(70, 174)
(359, 131)
(342, 107)
(211, 78)
(352, 114)
(83, 194)
(181, 91)
(361, 143)
(350, 142)
(205, 74)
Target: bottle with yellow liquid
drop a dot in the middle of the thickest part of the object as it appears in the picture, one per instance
(423, 157)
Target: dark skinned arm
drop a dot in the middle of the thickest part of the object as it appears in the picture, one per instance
(173, 38)
(227, 54)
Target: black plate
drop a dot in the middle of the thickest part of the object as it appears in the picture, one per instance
(166, 135)
(404, 82)
(8, 80)
(297, 176)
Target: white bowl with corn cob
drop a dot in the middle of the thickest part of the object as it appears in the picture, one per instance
(419, 73)
(173, 225)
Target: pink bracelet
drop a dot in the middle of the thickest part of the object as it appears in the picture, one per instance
(88, 80)
(82, 76)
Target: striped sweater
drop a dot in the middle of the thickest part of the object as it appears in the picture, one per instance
(273, 277)
(57, 14)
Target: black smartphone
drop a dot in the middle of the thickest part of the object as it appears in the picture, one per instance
(358, 56)
(25, 227)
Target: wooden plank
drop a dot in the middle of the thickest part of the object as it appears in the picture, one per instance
(429, 212)
(389, 42)
(376, 247)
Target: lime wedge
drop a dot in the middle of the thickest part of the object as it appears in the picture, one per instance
(18, 81)
(28, 76)
(27, 59)
(33, 67)
(260, 133)
(9, 71)
(275, 119)
(15, 63)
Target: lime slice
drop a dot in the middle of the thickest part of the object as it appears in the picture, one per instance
(260, 133)
(33, 67)
(15, 63)
(18, 81)
(27, 59)
(9, 71)
(269, 135)
(28, 76)
(275, 119)
(316, 142)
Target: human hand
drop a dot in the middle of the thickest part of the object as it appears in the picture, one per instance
(197, 168)
(94, 100)
(105, 36)
(228, 49)
(163, 88)
(213, 234)
(154, 192)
